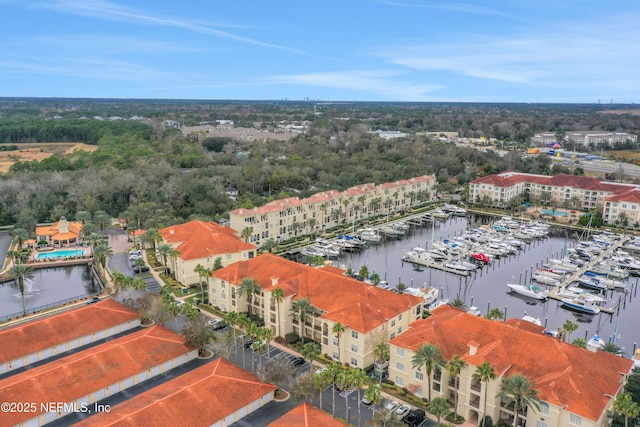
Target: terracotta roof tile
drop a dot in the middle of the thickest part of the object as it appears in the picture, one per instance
(199, 239)
(563, 374)
(79, 374)
(632, 196)
(306, 415)
(202, 396)
(361, 306)
(49, 331)
(508, 179)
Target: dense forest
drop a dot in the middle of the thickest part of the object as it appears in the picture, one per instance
(157, 176)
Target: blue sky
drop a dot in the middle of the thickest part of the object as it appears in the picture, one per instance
(349, 50)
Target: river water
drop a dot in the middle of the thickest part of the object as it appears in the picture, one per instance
(487, 287)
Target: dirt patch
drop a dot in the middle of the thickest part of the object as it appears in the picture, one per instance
(29, 152)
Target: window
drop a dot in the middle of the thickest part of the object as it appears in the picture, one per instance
(400, 351)
(400, 330)
(354, 335)
(335, 341)
(544, 408)
(222, 285)
(419, 376)
(336, 356)
(575, 420)
(393, 323)
(354, 348)
(393, 335)
(229, 256)
(399, 366)
(354, 362)
(400, 317)
(399, 381)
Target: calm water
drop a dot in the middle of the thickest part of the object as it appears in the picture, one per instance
(50, 285)
(487, 288)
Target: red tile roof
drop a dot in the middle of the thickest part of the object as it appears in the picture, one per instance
(632, 196)
(355, 304)
(202, 396)
(563, 374)
(274, 206)
(199, 239)
(508, 179)
(306, 415)
(359, 189)
(49, 331)
(404, 182)
(323, 197)
(53, 230)
(79, 374)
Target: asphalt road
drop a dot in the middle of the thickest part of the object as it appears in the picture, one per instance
(607, 166)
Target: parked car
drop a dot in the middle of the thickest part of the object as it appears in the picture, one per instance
(392, 405)
(414, 418)
(402, 411)
(297, 361)
(141, 269)
(93, 300)
(366, 401)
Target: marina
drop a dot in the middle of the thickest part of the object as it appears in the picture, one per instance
(483, 286)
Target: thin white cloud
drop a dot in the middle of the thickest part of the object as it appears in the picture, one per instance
(108, 44)
(374, 82)
(115, 12)
(450, 7)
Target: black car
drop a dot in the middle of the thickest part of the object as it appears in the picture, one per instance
(246, 342)
(93, 300)
(414, 418)
(297, 361)
(141, 269)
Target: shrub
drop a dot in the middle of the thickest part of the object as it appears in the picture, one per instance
(292, 338)
(280, 340)
(488, 422)
(387, 381)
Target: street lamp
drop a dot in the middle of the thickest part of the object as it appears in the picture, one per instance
(348, 415)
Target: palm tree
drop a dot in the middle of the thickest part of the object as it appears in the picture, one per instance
(164, 250)
(102, 219)
(310, 351)
(243, 324)
(269, 246)
(439, 406)
(248, 287)
(93, 239)
(518, 388)
(102, 253)
(83, 216)
(232, 319)
(429, 356)
(375, 278)
(495, 314)
(401, 287)
(19, 235)
(611, 347)
(344, 382)
(381, 354)
(267, 336)
(486, 373)
(374, 395)
(252, 332)
(322, 380)
(277, 296)
(454, 367)
(202, 272)
(359, 379)
(624, 405)
(458, 303)
(22, 273)
(580, 342)
(301, 309)
(567, 329)
(363, 274)
(246, 233)
(151, 236)
(333, 371)
(338, 329)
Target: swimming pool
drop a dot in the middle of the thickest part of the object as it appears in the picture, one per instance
(60, 253)
(550, 212)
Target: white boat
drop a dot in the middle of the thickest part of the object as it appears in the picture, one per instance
(454, 210)
(312, 251)
(369, 235)
(595, 343)
(427, 293)
(591, 282)
(581, 305)
(551, 274)
(474, 310)
(545, 280)
(610, 283)
(329, 250)
(458, 266)
(531, 291)
(563, 264)
(440, 214)
(531, 319)
(575, 292)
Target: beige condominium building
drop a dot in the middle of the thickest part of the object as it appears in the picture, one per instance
(369, 314)
(576, 387)
(577, 192)
(283, 219)
(200, 242)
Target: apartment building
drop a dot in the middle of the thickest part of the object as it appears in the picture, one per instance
(576, 387)
(200, 242)
(623, 208)
(585, 138)
(287, 218)
(368, 313)
(577, 192)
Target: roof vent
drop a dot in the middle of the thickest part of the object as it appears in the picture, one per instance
(473, 348)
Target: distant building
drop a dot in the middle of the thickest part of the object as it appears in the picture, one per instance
(584, 138)
(576, 387)
(171, 124)
(390, 134)
(60, 233)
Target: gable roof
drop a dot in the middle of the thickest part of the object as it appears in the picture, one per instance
(306, 415)
(70, 230)
(632, 196)
(360, 306)
(46, 332)
(79, 374)
(202, 396)
(199, 239)
(563, 374)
